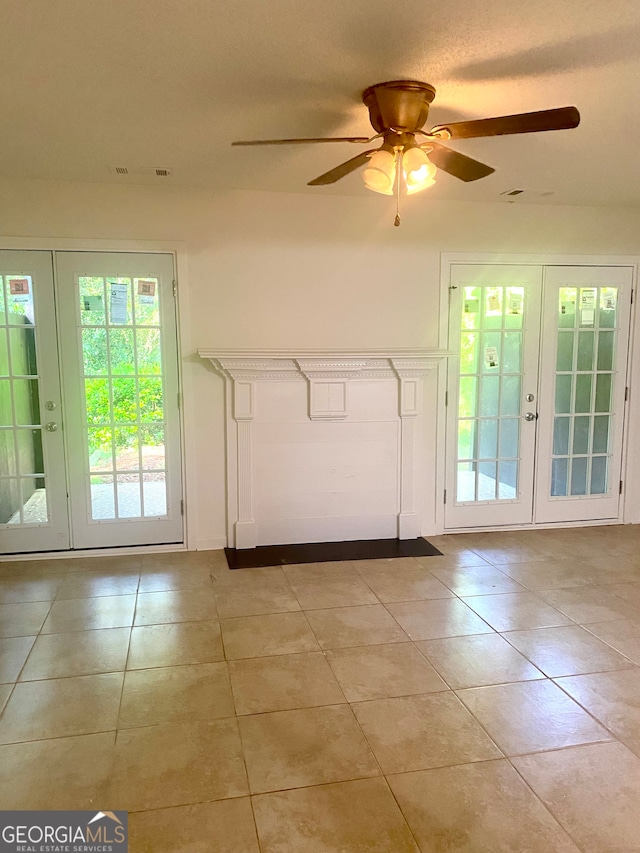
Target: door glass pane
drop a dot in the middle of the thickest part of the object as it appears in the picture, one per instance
(579, 475)
(588, 306)
(152, 448)
(491, 351)
(29, 448)
(561, 436)
(147, 303)
(8, 455)
(466, 439)
(490, 393)
(103, 502)
(4, 348)
(148, 351)
(489, 396)
(514, 309)
(34, 500)
(129, 499)
(125, 400)
(6, 403)
(94, 351)
(127, 449)
(121, 352)
(603, 392)
(487, 482)
(493, 307)
(92, 300)
(10, 501)
(101, 449)
(26, 401)
(150, 400)
(468, 394)
(508, 480)
(564, 385)
(599, 475)
(154, 492)
(509, 437)
(601, 434)
(466, 481)
(22, 346)
(567, 307)
(97, 400)
(585, 350)
(581, 432)
(510, 398)
(564, 360)
(119, 305)
(584, 391)
(124, 396)
(488, 445)
(23, 496)
(468, 353)
(512, 352)
(19, 299)
(608, 307)
(605, 350)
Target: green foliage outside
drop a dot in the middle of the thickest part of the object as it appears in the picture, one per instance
(126, 399)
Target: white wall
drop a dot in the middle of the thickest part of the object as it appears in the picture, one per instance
(304, 270)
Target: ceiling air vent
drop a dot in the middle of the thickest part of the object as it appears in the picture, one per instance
(120, 170)
(526, 195)
(163, 173)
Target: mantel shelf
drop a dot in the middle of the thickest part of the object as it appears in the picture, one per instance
(325, 353)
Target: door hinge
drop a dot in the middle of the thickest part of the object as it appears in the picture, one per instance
(175, 288)
(626, 393)
(620, 490)
(445, 496)
(446, 398)
(632, 292)
(182, 507)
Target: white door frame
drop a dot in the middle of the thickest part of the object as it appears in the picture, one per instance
(189, 462)
(94, 532)
(53, 533)
(630, 498)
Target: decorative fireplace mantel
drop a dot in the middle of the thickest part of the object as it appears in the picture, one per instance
(322, 445)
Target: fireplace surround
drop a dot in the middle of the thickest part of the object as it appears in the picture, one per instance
(324, 445)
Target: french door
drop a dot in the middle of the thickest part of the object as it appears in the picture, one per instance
(89, 420)
(536, 399)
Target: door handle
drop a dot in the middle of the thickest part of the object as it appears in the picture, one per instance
(531, 416)
(52, 426)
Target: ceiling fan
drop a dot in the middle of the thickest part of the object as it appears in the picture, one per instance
(398, 110)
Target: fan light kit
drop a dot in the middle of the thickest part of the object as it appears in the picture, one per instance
(411, 156)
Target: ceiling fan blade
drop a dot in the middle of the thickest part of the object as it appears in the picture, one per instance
(343, 169)
(302, 141)
(456, 164)
(562, 118)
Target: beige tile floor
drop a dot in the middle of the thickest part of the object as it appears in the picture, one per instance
(484, 700)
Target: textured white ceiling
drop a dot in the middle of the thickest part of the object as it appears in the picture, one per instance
(90, 84)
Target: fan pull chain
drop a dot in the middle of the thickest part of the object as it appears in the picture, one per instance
(396, 221)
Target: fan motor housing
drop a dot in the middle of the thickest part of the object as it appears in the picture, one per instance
(398, 104)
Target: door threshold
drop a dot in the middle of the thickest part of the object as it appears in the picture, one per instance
(551, 525)
(93, 552)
